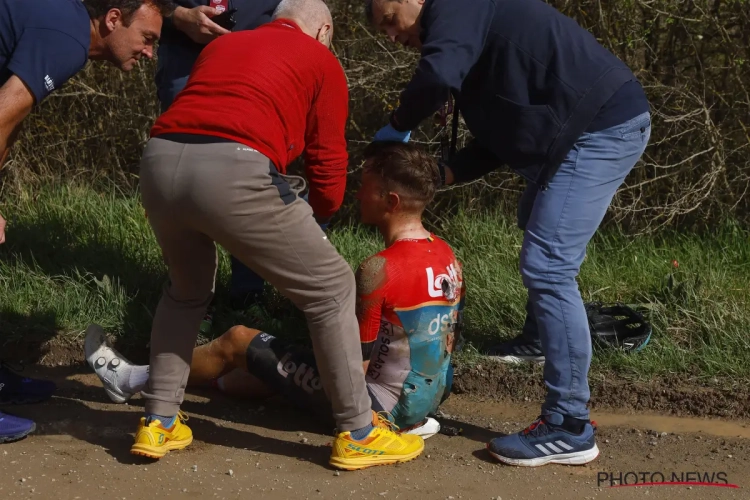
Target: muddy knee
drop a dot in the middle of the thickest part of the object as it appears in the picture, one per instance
(239, 337)
(234, 343)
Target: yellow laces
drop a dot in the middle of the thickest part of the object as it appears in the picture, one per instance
(385, 419)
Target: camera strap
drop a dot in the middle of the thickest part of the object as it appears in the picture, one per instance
(448, 146)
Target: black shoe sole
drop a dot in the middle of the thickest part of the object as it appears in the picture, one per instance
(25, 401)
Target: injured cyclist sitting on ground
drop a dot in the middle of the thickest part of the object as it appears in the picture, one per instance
(409, 307)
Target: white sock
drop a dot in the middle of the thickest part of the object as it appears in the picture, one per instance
(134, 381)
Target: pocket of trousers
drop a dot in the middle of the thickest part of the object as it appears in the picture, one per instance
(637, 127)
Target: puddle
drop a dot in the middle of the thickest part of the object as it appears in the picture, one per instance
(662, 423)
(522, 414)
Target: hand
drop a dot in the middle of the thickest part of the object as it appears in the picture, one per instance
(446, 173)
(2, 230)
(388, 133)
(197, 24)
(449, 178)
(322, 221)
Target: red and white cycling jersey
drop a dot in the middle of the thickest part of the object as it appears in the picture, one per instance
(411, 313)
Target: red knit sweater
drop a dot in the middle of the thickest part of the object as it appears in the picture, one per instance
(277, 90)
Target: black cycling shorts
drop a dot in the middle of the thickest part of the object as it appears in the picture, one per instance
(291, 370)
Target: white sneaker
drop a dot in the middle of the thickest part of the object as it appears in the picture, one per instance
(106, 362)
(427, 429)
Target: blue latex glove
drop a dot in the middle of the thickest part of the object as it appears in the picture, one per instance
(388, 133)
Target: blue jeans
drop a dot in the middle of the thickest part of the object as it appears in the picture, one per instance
(173, 65)
(558, 224)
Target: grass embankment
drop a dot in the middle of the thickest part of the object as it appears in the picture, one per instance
(75, 256)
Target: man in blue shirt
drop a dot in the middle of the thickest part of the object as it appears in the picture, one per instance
(43, 43)
(538, 93)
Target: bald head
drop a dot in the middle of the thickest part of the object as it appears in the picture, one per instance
(312, 16)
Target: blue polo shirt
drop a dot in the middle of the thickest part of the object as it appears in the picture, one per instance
(43, 42)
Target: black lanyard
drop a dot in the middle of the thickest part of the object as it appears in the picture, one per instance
(448, 148)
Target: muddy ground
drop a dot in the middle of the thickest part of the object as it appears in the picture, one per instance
(678, 395)
(267, 449)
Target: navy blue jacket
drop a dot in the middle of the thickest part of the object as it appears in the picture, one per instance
(527, 79)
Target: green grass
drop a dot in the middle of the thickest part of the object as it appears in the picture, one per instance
(75, 256)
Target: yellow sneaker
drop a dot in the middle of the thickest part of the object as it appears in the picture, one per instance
(382, 446)
(154, 441)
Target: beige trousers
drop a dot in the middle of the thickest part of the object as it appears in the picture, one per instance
(225, 192)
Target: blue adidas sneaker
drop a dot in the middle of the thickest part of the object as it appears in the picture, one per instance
(543, 443)
(520, 349)
(21, 390)
(13, 428)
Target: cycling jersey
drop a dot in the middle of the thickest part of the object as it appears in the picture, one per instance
(410, 298)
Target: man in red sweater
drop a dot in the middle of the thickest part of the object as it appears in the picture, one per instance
(213, 171)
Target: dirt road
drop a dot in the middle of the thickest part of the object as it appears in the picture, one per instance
(268, 450)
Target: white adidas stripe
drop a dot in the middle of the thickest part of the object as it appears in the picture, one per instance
(527, 350)
(565, 445)
(549, 448)
(543, 449)
(554, 448)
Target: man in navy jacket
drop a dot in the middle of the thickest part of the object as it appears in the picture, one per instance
(538, 93)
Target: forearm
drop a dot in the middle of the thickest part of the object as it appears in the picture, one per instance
(326, 155)
(470, 163)
(16, 101)
(8, 132)
(326, 197)
(419, 100)
(196, 23)
(449, 52)
(180, 18)
(7, 139)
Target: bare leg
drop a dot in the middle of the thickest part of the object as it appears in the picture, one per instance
(239, 383)
(226, 357)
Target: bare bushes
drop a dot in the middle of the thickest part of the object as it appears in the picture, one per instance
(693, 57)
(93, 129)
